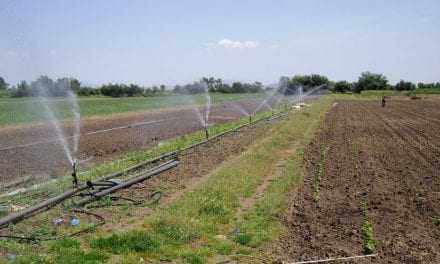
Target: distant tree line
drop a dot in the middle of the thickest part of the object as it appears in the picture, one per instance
(44, 86)
(374, 81)
(214, 85)
(59, 88)
(287, 85)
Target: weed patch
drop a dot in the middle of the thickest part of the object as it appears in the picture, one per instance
(369, 243)
(122, 243)
(175, 231)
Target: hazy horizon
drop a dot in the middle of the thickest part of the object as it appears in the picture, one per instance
(151, 42)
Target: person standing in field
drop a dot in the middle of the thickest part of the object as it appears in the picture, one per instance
(383, 101)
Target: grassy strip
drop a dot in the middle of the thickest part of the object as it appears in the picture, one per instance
(202, 224)
(24, 110)
(423, 91)
(380, 93)
(262, 223)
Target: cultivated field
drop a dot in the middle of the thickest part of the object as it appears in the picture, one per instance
(15, 111)
(340, 177)
(219, 203)
(372, 185)
(34, 152)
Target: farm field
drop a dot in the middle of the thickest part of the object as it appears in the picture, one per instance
(338, 178)
(36, 151)
(24, 110)
(372, 185)
(219, 204)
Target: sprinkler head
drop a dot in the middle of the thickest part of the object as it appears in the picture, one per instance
(206, 133)
(74, 173)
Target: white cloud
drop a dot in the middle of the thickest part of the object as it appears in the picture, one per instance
(235, 44)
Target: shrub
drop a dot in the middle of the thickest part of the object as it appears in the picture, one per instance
(192, 258)
(243, 239)
(341, 87)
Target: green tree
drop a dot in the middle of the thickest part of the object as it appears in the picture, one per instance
(162, 88)
(283, 84)
(22, 90)
(3, 84)
(210, 82)
(404, 86)
(75, 85)
(371, 81)
(341, 87)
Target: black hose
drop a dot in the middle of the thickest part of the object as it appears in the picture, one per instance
(101, 221)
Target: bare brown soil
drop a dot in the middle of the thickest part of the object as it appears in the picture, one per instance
(367, 160)
(41, 155)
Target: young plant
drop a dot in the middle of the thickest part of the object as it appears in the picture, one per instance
(369, 243)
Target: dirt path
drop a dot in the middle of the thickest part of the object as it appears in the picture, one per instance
(383, 161)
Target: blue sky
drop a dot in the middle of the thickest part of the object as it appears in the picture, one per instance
(154, 42)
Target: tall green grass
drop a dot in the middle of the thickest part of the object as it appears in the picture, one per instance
(398, 93)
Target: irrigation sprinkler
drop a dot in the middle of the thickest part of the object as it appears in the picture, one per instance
(206, 132)
(74, 173)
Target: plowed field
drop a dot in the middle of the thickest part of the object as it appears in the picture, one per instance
(375, 163)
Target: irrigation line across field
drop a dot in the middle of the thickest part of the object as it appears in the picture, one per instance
(30, 211)
(49, 203)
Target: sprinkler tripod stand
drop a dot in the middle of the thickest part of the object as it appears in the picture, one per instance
(74, 173)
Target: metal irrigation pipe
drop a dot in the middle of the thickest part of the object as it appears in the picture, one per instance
(142, 177)
(23, 214)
